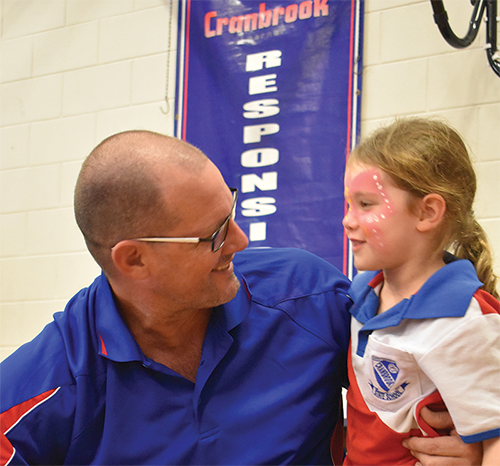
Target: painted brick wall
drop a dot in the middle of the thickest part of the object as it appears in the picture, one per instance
(76, 71)
(72, 73)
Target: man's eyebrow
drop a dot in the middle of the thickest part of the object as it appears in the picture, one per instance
(219, 223)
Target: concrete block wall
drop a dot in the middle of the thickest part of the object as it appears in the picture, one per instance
(76, 71)
(72, 73)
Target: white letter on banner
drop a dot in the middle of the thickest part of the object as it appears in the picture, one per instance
(256, 61)
(258, 206)
(253, 133)
(268, 182)
(262, 84)
(259, 157)
(261, 108)
(257, 231)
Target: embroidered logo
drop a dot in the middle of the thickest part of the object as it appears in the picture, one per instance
(386, 373)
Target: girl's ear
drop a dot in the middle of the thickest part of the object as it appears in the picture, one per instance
(431, 210)
(129, 258)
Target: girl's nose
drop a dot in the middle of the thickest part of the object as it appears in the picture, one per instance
(349, 221)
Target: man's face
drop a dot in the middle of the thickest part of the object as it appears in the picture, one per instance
(191, 276)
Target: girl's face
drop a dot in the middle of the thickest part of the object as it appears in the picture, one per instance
(378, 223)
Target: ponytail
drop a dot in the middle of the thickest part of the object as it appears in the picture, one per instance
(472, 244)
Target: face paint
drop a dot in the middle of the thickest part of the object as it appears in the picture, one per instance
(368, 201)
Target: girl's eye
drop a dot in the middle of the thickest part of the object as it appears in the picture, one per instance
(364, 204)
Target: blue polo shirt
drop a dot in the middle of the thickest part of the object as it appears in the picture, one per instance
(267, 388)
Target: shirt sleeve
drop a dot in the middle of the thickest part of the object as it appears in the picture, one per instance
(38, 430)
(464, 367)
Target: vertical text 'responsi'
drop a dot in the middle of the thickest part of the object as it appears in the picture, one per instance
(253, 134)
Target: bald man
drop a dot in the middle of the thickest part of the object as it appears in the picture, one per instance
(181, 352)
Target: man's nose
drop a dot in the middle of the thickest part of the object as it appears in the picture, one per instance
(236, 240)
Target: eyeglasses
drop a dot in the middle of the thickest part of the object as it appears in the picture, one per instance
(217, 239)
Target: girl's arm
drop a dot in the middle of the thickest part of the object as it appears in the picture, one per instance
(491, 452)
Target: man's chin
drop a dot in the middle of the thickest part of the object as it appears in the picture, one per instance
(231, 291)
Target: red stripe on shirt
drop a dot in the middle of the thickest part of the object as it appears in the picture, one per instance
(11, 417)
(487, 303)
(103, 347)
(376, 280)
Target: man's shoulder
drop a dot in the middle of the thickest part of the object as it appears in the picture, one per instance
(304, 287)
(288, 272)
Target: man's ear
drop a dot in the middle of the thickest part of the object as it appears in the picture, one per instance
(129, 258)
(431, 210)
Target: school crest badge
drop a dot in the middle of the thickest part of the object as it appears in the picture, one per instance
(386, 374)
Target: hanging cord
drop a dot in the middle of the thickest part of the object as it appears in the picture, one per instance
(167, 104)
(480, 6)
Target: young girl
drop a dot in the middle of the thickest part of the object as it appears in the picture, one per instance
(426, 323)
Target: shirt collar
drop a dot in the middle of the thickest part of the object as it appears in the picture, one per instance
(447, 293)
(117, 342)
(231, 314)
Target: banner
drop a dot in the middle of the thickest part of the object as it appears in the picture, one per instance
(270, 92)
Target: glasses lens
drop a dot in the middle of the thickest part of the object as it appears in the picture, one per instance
(220, 236)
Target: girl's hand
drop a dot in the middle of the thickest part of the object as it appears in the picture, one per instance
(448, 450)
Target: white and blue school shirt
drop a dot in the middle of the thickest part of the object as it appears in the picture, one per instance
(443, 342)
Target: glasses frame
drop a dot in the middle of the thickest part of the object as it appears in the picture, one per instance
(211, 238)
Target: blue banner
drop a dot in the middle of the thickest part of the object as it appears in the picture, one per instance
(270, 92)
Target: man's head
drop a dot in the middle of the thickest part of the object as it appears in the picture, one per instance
(140, 184)
(117, 195)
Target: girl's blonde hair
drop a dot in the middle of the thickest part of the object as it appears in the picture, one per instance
(426, 156)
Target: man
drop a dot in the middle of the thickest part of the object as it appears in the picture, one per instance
(180, 352)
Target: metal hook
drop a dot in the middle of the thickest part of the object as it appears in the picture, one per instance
(441, 19)
(480, 6)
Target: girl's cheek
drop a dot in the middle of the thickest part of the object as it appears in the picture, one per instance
(372, 224)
